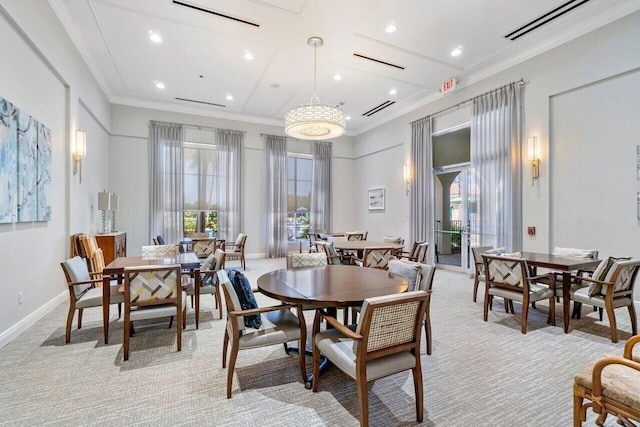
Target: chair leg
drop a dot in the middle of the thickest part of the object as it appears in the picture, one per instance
(476, 282)
(418, 388)
(67, 334)
(232, 365)
(485, 310)
(577, 410)
(552, 311)
(119, 310)
(184, 318)
(225, 344)
(602, 418)
(218, 299)
(316, 367)
(127, 332)
(80, 318)
(363, 399)
(525, 313)
(634, 321)
(612, 322)
(599, 312)
(170, 322)
(513, 311)
(577, 308)
(427, 330)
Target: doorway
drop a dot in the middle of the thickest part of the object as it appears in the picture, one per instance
(452, 204)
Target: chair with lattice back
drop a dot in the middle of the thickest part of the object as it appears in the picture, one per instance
(386, 341)
(160, 251)
(235, 250)
(153, 292)
(375, 258)
(204, 247)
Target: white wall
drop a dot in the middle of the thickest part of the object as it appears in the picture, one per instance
(129, 173)
(47, 82)
(606, 52)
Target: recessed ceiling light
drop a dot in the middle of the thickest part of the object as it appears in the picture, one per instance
(229, 97)
(248, 55)
(337, 77)
(456, 51)
(155, 37)
(390, 28)
(393, 91)
(160, 85)
(348, 118)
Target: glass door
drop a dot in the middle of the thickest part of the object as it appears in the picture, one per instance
(453, 231)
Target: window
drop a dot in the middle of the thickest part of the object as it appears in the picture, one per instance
(199, 212)
(299, 175)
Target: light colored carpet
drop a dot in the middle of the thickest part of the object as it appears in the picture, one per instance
(480, 374)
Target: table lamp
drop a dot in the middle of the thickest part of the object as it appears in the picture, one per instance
(114, 207)
(104, 204)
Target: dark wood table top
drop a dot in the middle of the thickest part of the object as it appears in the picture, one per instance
(361, 245)
(557, 262)
(331, 285)
(186, 260)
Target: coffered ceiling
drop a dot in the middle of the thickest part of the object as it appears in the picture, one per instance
(201, 58)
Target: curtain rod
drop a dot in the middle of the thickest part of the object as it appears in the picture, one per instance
(460, 104)
(200, 127)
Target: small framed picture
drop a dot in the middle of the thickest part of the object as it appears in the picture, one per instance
(376, 199)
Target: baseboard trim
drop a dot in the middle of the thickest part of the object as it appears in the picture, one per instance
(14, 331)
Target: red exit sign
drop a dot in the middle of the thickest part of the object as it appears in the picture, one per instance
(448, 85)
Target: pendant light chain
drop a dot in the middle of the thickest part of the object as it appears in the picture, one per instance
(315, 76)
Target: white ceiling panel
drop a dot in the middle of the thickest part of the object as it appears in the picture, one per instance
(113, 36)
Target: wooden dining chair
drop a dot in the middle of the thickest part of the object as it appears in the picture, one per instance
(204, 247)
(278, 326)
(208, 283)
(84, 291)
(611, 287)
(508, 278)
(386, 341)
(236, 250)
(375, 258)
(153, 292)
(478, 275)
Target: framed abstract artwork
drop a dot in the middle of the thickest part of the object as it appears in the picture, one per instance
(8, 163)
(376, 199)
(27, 167)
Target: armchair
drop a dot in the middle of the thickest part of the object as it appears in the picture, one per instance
(610, 287)
(508, 278)
(612, 386)
(385, 341)
(208, 282)
(84, 291)
(375, 258)
(279, 326)
(236, 250)
(153, 292)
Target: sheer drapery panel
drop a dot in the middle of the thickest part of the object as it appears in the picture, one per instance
(421, 163)
(166, 183)
(321, 210)
(276, 169)
(496, 167)
(229, 183)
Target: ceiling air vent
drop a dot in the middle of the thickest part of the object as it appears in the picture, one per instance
(213, 12)
(544, 19)
(379, 61)
(378, 108)
(201, 102)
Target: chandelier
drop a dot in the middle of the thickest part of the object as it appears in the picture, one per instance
(314, 121)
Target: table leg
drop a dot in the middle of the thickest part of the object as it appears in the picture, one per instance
(106, 301)
(566, 298)
(196, 290)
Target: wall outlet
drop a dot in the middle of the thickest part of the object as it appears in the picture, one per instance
(19, 298)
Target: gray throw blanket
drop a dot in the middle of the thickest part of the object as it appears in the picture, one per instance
(245, 295)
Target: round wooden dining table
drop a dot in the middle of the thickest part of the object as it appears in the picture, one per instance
(361, 245)
(330, 286)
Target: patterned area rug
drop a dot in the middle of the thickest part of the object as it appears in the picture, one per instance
(480, 373)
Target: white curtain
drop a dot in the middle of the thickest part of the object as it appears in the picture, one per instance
(421, 208)
(276, 156)
(229, 184)
(166, 188)
(496, 167)
(321, 212)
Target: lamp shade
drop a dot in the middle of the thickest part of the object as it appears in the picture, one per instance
(532, 149)
(80, 148)
(104, 201)
(114, 202)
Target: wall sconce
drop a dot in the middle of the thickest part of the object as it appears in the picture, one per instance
(406, 175)
(104, 204)
(79, 152)
(533, 156)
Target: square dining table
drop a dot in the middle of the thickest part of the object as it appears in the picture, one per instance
(564, 265)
